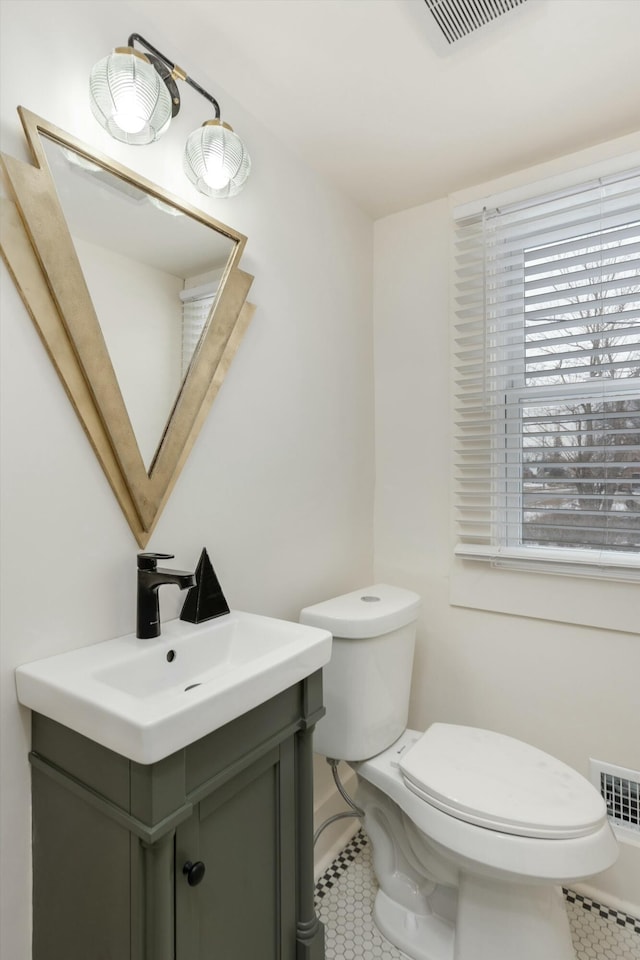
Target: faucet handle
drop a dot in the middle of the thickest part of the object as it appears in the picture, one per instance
(149, 561)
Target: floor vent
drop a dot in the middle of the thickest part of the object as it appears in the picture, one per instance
(458, 18)
(621, 791)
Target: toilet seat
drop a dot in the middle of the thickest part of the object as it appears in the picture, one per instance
(558, 860)
(500, 783)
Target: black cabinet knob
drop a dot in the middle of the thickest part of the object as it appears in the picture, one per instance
(194, 872)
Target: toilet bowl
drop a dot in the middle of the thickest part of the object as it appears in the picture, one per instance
(475, 876)
(472, 832)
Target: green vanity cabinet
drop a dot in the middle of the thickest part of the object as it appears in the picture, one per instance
(205, 854)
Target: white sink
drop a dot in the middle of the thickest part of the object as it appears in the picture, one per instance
(145, 699)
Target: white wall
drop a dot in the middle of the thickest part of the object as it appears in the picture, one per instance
(279, 484)
(567, 688)
(141, 320)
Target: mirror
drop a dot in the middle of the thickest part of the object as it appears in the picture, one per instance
(139, 299)
(153, 274)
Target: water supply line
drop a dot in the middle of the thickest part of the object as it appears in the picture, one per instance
(355, 810)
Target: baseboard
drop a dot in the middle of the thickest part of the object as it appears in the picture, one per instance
(337, 835)
(607, 899)
(347, 834)
(613, 887)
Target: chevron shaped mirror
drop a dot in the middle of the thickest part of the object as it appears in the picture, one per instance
(138, 298)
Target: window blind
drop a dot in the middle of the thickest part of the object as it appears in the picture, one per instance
(196, 307)
(547, 376)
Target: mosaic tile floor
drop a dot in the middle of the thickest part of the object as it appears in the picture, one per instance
(344, 901)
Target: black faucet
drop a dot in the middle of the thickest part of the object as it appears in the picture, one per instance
(150, 579)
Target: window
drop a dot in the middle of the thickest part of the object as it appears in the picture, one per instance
(548, 380)
(196, 307)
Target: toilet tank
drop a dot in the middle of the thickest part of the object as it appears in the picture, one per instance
(368, 679)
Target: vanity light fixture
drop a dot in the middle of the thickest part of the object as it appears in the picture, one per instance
(134, 96)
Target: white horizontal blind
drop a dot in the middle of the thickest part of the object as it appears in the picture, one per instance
(548, 374)
(196, 308)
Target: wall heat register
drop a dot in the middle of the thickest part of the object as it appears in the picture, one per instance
(621, 791)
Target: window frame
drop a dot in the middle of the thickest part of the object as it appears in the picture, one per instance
(506, 514)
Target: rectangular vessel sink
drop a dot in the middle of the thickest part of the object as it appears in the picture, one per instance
(145, 699)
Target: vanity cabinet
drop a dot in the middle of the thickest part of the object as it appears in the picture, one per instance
(207, 853)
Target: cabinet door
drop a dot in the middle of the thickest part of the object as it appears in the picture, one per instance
(244, 834)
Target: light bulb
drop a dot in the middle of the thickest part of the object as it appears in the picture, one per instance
(215, 175)
(128, 113)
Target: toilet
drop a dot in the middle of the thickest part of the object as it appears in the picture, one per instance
(472, 833)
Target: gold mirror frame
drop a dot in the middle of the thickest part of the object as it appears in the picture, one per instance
(39, 251)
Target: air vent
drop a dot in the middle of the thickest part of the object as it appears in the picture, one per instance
(458, 18)
(621, 791)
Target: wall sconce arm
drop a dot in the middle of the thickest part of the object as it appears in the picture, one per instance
(176, 72)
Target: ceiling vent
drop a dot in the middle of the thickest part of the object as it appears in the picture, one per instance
(458, 18)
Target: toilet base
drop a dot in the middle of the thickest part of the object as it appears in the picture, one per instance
(500, 921)
(495, 921)
(420, 936)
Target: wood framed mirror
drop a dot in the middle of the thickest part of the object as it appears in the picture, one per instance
(138, 298)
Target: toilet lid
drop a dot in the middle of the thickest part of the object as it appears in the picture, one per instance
(500, 783)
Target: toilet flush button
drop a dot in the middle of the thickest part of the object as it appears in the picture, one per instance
(368, 599)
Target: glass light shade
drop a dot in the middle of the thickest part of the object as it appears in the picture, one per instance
(129, 97)
(216, 160)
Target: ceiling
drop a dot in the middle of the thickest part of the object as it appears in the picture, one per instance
(364, 91)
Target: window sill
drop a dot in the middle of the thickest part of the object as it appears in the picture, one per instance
(603, 565)
(601, 594)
